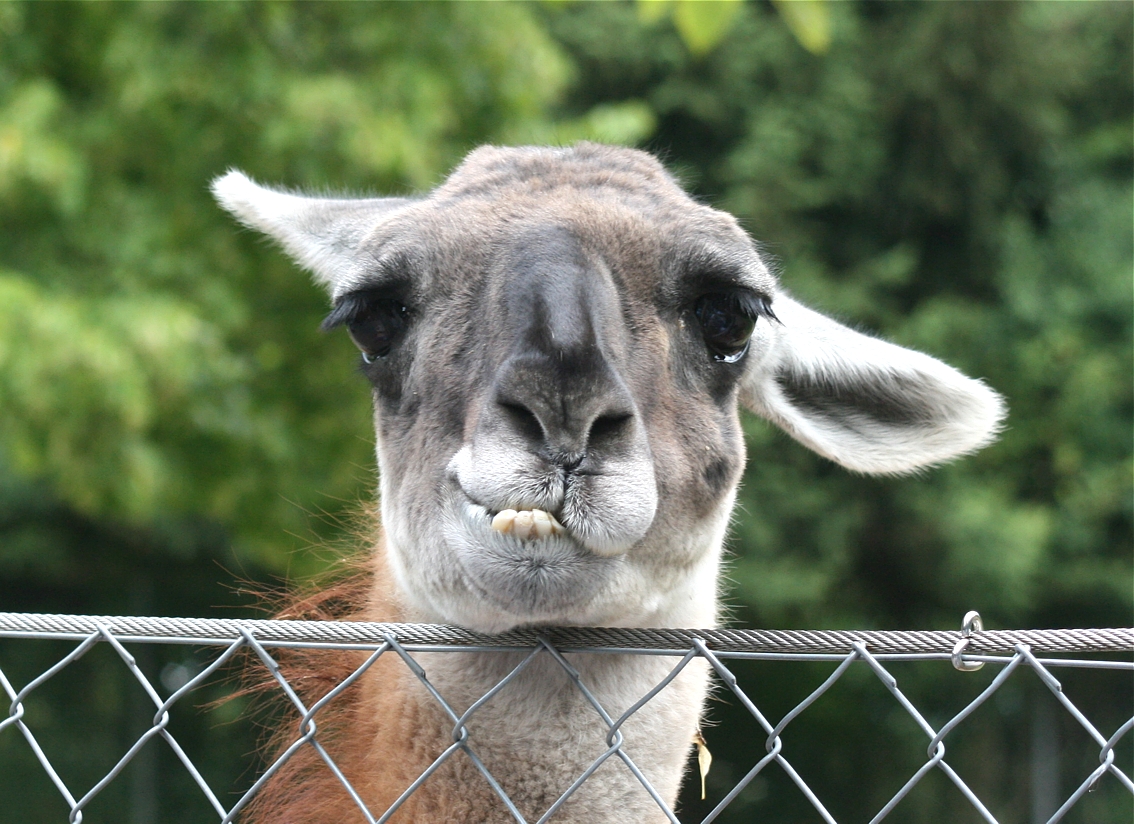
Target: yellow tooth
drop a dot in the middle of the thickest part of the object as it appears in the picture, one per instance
(522, 527)
(527, 524)
(542, 523)
(504, 520)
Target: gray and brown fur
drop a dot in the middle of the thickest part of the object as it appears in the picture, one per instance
(552, 357)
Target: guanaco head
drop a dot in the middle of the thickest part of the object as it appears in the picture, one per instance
(559, 342)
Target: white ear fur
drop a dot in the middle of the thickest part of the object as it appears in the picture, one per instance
(321, 234)
(864, 403)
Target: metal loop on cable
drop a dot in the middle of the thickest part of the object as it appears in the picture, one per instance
(969, 625)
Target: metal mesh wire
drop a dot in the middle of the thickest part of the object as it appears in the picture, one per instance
(1011, 651)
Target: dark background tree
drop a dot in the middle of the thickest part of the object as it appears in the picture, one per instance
(955, 176)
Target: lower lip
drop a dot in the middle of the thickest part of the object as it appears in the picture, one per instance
(542, 579)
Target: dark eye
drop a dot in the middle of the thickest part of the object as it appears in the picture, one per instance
(376, 327)
(727, 320)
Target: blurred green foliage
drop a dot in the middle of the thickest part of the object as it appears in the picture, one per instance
(155, 363)
(954, 176)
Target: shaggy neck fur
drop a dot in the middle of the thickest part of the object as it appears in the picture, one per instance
(535, 736)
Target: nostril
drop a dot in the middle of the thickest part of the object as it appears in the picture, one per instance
(571, 461)
(609, 427)
(523, 419)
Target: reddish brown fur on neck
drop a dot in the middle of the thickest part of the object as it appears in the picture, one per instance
(382, 733)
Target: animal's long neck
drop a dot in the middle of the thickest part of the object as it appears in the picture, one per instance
(535, 736)
(538, 732)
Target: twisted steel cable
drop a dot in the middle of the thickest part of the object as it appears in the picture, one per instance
(209, 631)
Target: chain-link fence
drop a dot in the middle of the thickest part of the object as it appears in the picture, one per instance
(1010, 654)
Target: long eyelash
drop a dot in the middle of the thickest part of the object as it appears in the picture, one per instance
(753, 306)
(346, 309)
(349, 308)
(764, 309)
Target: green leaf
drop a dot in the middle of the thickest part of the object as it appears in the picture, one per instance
(702, 24)
(809, 21)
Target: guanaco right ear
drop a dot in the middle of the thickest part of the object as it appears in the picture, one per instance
(321, 234)
(867, 404)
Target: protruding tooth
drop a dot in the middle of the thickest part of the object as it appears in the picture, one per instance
(504, 520)
(542, 523)
(527, 524)
(522, 527)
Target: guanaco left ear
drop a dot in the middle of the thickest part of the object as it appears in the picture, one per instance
(321, 234)
(864, 403)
